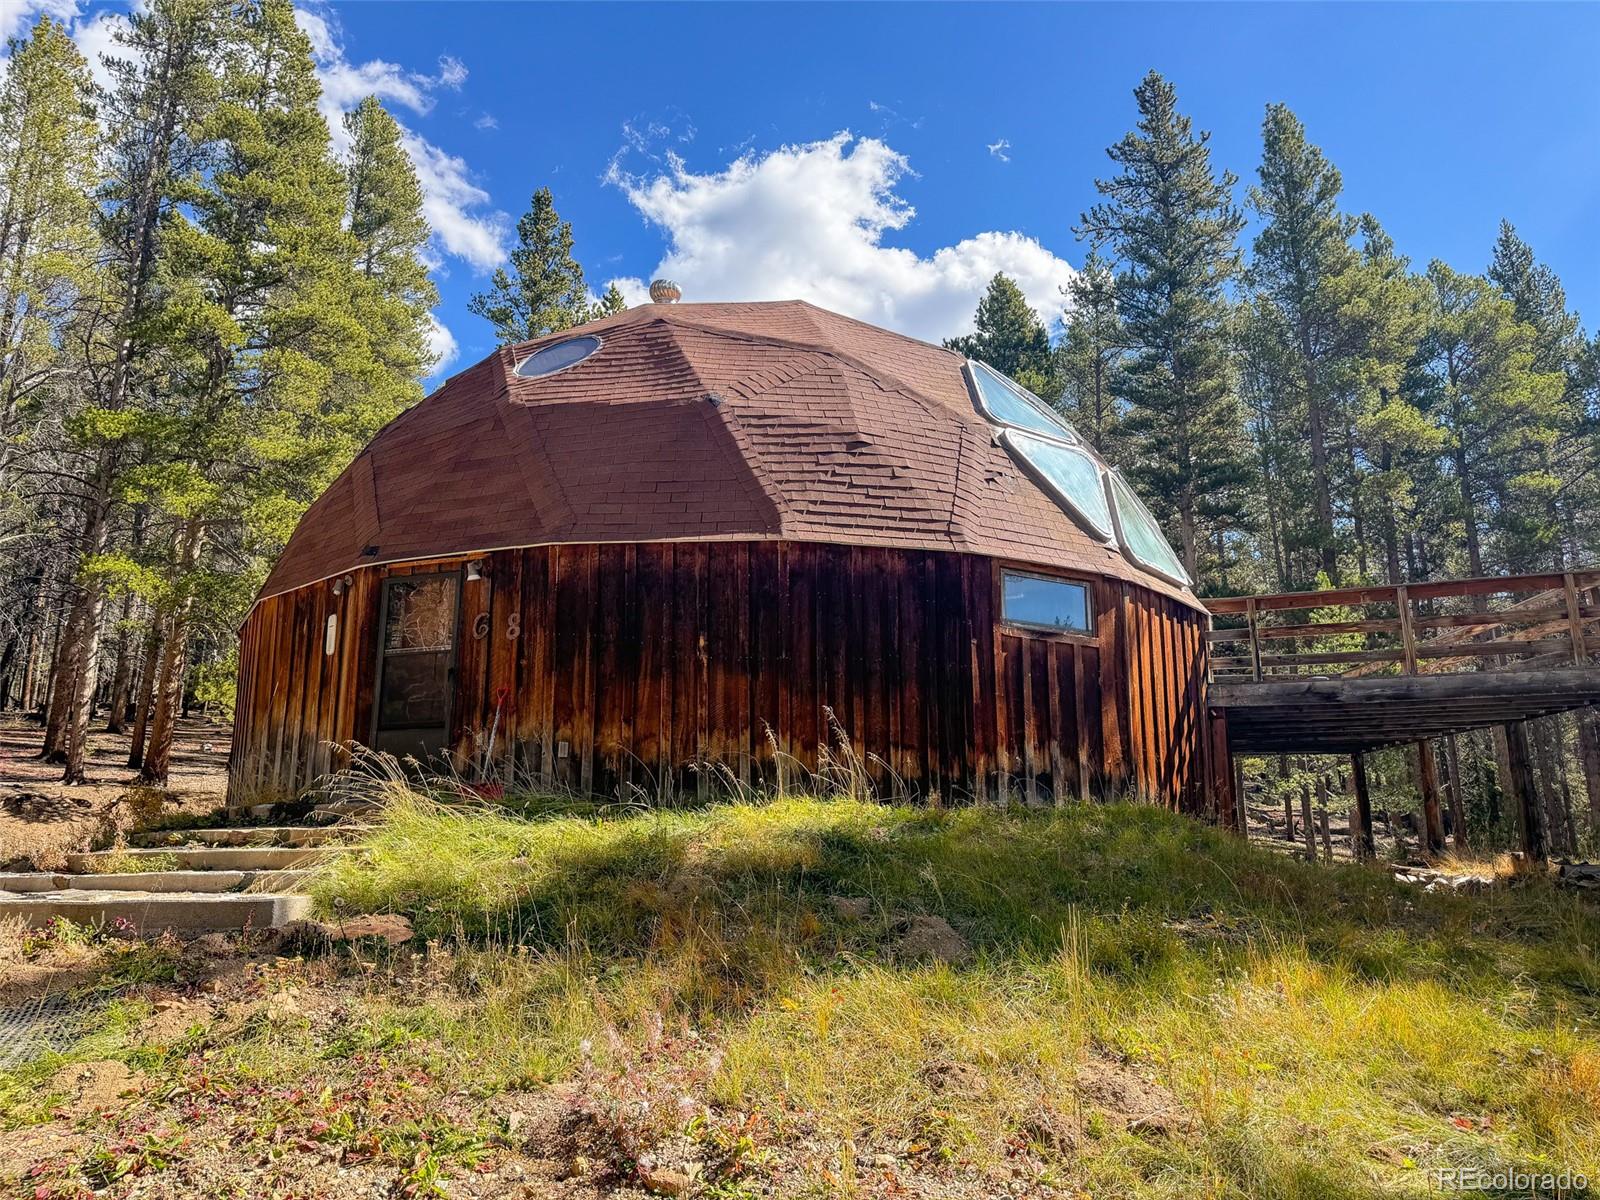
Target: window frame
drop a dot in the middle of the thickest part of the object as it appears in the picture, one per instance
(1009, 438)
(599, 345)
(1005, 624)
(1181, 579)
(1061, 429)
(415, 571)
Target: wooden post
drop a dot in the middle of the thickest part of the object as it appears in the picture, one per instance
(1255, 639)
(1222, 773)
(1458, 806)
(1432, 820)
(1408, 635)
(1530, 819)
(1322, 817)
(1288, 817)
(1574, 618)
(1305, 817)
(1241, 812)
(1361, 835)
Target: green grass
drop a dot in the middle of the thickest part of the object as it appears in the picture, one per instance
(1323, 1031)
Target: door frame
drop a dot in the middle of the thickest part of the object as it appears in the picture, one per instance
(451, 672)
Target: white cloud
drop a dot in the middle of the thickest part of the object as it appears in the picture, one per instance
(809, 221)
(465, 225)
(1000, 149)
(18, 16)
(441, 344)
(96, 38)
(486, 121)
(452, 72)
(634, 291)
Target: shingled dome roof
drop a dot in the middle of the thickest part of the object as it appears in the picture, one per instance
(729, 422)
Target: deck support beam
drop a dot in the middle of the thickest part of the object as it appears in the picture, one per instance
(1361, 835)
(1432, 818)
(1530, 817)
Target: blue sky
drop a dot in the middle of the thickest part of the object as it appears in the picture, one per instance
(707, 141)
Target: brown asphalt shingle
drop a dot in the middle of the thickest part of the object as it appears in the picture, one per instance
(697, 421)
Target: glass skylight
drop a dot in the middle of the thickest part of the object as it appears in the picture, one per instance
(558, 357)
(1141, 535)
(1070, 474)
(1008, 403)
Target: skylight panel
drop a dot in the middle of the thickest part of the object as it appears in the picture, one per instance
(1008, 403)
(1070, 474)
(1141, 536)
(558, 357)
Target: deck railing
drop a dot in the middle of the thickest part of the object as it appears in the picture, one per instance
(1511, 621)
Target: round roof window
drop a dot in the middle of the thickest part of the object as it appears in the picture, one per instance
(557, 357)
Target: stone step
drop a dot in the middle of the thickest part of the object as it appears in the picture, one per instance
(199, 858)
(156, 882)
(242, 835)
(188, 912)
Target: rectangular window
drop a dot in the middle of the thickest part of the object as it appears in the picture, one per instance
(1039, 602)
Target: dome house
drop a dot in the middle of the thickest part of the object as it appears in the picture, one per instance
(733, 534)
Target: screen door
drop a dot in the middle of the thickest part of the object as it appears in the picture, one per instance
(416, 664)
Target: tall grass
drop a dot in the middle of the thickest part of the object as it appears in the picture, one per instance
(1324, 1030)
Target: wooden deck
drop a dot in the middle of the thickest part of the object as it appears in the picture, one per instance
(1348, 716)
(1348, 670)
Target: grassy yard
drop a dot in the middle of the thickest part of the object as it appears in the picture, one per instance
(755, 998)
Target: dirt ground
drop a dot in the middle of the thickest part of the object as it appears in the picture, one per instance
(42, 818)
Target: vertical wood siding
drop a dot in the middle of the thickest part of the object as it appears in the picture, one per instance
(620, 668)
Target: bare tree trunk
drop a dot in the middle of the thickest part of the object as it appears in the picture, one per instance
(83, 642)
(1589, 760)
(174, 659)
(57, 697)
(147, 686)
(122, 675)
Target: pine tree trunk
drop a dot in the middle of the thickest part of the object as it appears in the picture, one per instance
(174, 660)
(30, 671)
(84, 644)
(122, 675)
(58, 696)
(147, 687)
(1589, 761)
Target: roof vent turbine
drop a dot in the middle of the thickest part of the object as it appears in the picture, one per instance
(664, 291)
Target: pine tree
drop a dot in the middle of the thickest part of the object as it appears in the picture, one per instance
(268, 294)
(1572, 462)
(1173, 228)
(1301, 264)
(386, 221)
(1399, 443)
(1009, 336)
(47, 243)
(610, 302)
(1482, 386)
(544, 292)
(1088, 359)
(164, 81)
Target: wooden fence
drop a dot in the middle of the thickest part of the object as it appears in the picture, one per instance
(1521, 622)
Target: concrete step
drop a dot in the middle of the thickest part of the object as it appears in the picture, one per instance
(155, 882)
(200, 858)
(243, 835)
(189, 912)
(340, 810)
